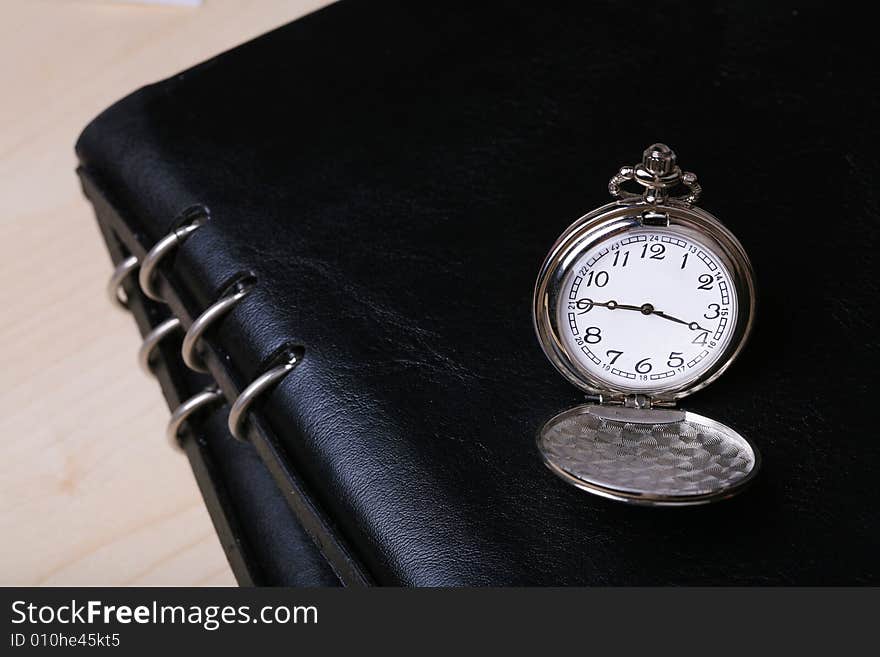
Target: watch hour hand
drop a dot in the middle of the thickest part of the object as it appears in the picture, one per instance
(693, 326)
(662, 314)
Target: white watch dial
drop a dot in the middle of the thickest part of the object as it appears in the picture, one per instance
(647, 310)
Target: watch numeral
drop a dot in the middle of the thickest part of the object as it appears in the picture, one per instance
(716, 309)
(701, 338)
(593, 335)
(584, 305)
(658, 251)
(617, 354)
(705, 281)
(684, 260)
(675, 356)
(600, 278)
(643, 366)
(617, 257)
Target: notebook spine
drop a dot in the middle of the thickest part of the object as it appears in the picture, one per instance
(148, 272)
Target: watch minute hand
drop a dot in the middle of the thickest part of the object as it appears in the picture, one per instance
(588, 304)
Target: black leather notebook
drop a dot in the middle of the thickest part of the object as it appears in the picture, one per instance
(385, 179)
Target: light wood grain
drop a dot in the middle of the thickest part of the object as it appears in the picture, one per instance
(90, 493)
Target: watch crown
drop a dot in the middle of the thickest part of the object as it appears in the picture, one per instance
(657, 173)
(659, 159)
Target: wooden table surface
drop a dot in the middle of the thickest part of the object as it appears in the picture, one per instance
(90, 493)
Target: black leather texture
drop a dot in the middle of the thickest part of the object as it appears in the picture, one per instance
(393, 174)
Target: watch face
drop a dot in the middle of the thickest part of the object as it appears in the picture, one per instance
(646, 310)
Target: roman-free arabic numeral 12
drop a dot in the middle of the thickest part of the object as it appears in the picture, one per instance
(658, 251)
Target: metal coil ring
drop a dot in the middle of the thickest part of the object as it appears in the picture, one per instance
(207, 397)
(171, 241)
(114, 286)
(204, 321)
(255, 389)
(152, 340)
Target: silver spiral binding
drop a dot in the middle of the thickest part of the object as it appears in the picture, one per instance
(189, 349)
(207, 397)
(259, 385)
(147, 275)
(152, 340)
(123, 270)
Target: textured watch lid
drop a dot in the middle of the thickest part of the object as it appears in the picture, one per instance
(658, 457)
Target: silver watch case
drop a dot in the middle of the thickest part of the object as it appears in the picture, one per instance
(620, 217)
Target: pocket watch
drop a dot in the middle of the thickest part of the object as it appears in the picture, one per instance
(640, 303)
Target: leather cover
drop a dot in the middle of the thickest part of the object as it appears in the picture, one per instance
(393, 175)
